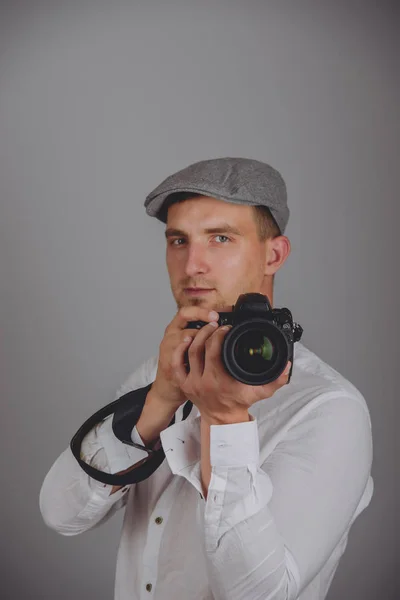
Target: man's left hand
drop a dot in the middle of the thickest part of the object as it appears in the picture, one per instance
(219, 397)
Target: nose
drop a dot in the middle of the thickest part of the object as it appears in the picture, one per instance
(196, 260)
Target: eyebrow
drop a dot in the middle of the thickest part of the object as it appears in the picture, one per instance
(221, 228)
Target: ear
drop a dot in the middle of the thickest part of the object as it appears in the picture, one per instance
(277, 249)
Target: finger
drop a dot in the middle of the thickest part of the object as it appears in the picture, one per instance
(213, 347)
(192, 313)
(285, 375)
(178, 366)
(281, 380)
(187, 333)
(197, 349)
(270, 388)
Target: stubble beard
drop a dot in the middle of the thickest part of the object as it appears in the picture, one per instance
(218, 303)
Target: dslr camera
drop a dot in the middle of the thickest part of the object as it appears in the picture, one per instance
(257, 348)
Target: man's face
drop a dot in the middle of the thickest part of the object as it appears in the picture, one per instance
(213, 253)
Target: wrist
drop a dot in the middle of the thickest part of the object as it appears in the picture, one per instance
(225, 418)
(155, 417)
(162, 395)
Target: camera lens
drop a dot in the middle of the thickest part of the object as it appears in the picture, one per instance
(254, 351)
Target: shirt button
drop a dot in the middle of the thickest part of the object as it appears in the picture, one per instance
(159, 520)
(149, 587)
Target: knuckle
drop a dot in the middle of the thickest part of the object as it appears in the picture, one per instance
(186, 333)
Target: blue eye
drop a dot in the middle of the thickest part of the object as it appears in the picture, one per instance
(223, 236)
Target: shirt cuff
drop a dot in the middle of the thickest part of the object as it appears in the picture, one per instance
(235, 444)
(136, 439)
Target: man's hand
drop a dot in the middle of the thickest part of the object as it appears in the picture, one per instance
(173, 346)
(219, 397)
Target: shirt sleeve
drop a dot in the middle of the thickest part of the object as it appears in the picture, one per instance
(71, 501)
(269, 528)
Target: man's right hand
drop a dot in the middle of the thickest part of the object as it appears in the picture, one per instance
(177, 337)
(165, 396)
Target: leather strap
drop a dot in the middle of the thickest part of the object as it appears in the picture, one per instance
(127, 410)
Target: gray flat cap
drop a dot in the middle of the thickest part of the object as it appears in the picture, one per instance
(237, 180)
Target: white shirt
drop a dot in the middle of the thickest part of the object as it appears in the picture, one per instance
(285, 489)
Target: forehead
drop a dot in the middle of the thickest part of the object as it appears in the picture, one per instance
(197, 213)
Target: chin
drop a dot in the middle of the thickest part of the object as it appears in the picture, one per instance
(198, 302)
(202, 302)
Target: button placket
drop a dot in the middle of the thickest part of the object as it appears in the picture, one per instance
(158, 520)
(151, 551)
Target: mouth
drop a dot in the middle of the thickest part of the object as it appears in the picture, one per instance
(197, 291)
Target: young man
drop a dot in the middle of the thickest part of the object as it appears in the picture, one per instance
(260, 484)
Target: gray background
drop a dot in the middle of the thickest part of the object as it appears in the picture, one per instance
(98, 103)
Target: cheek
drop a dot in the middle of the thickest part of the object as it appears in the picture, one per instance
(246, 269)
(240, 262)
(173, 262)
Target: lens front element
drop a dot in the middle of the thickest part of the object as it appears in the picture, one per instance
(255, 352)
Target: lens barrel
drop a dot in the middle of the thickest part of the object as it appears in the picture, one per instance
(255, 351)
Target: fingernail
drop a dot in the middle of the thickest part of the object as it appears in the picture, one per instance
(213, 324)
(226, 327)
(187, 339)
(287, 369)
(213, 315)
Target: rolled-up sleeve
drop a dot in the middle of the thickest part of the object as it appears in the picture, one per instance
(71, 501)
(269, 528)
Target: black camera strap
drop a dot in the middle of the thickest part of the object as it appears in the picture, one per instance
(127, 410)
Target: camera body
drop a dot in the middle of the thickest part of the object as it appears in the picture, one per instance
(257, 348)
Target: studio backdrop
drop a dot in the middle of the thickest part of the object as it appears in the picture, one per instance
(99, 102)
